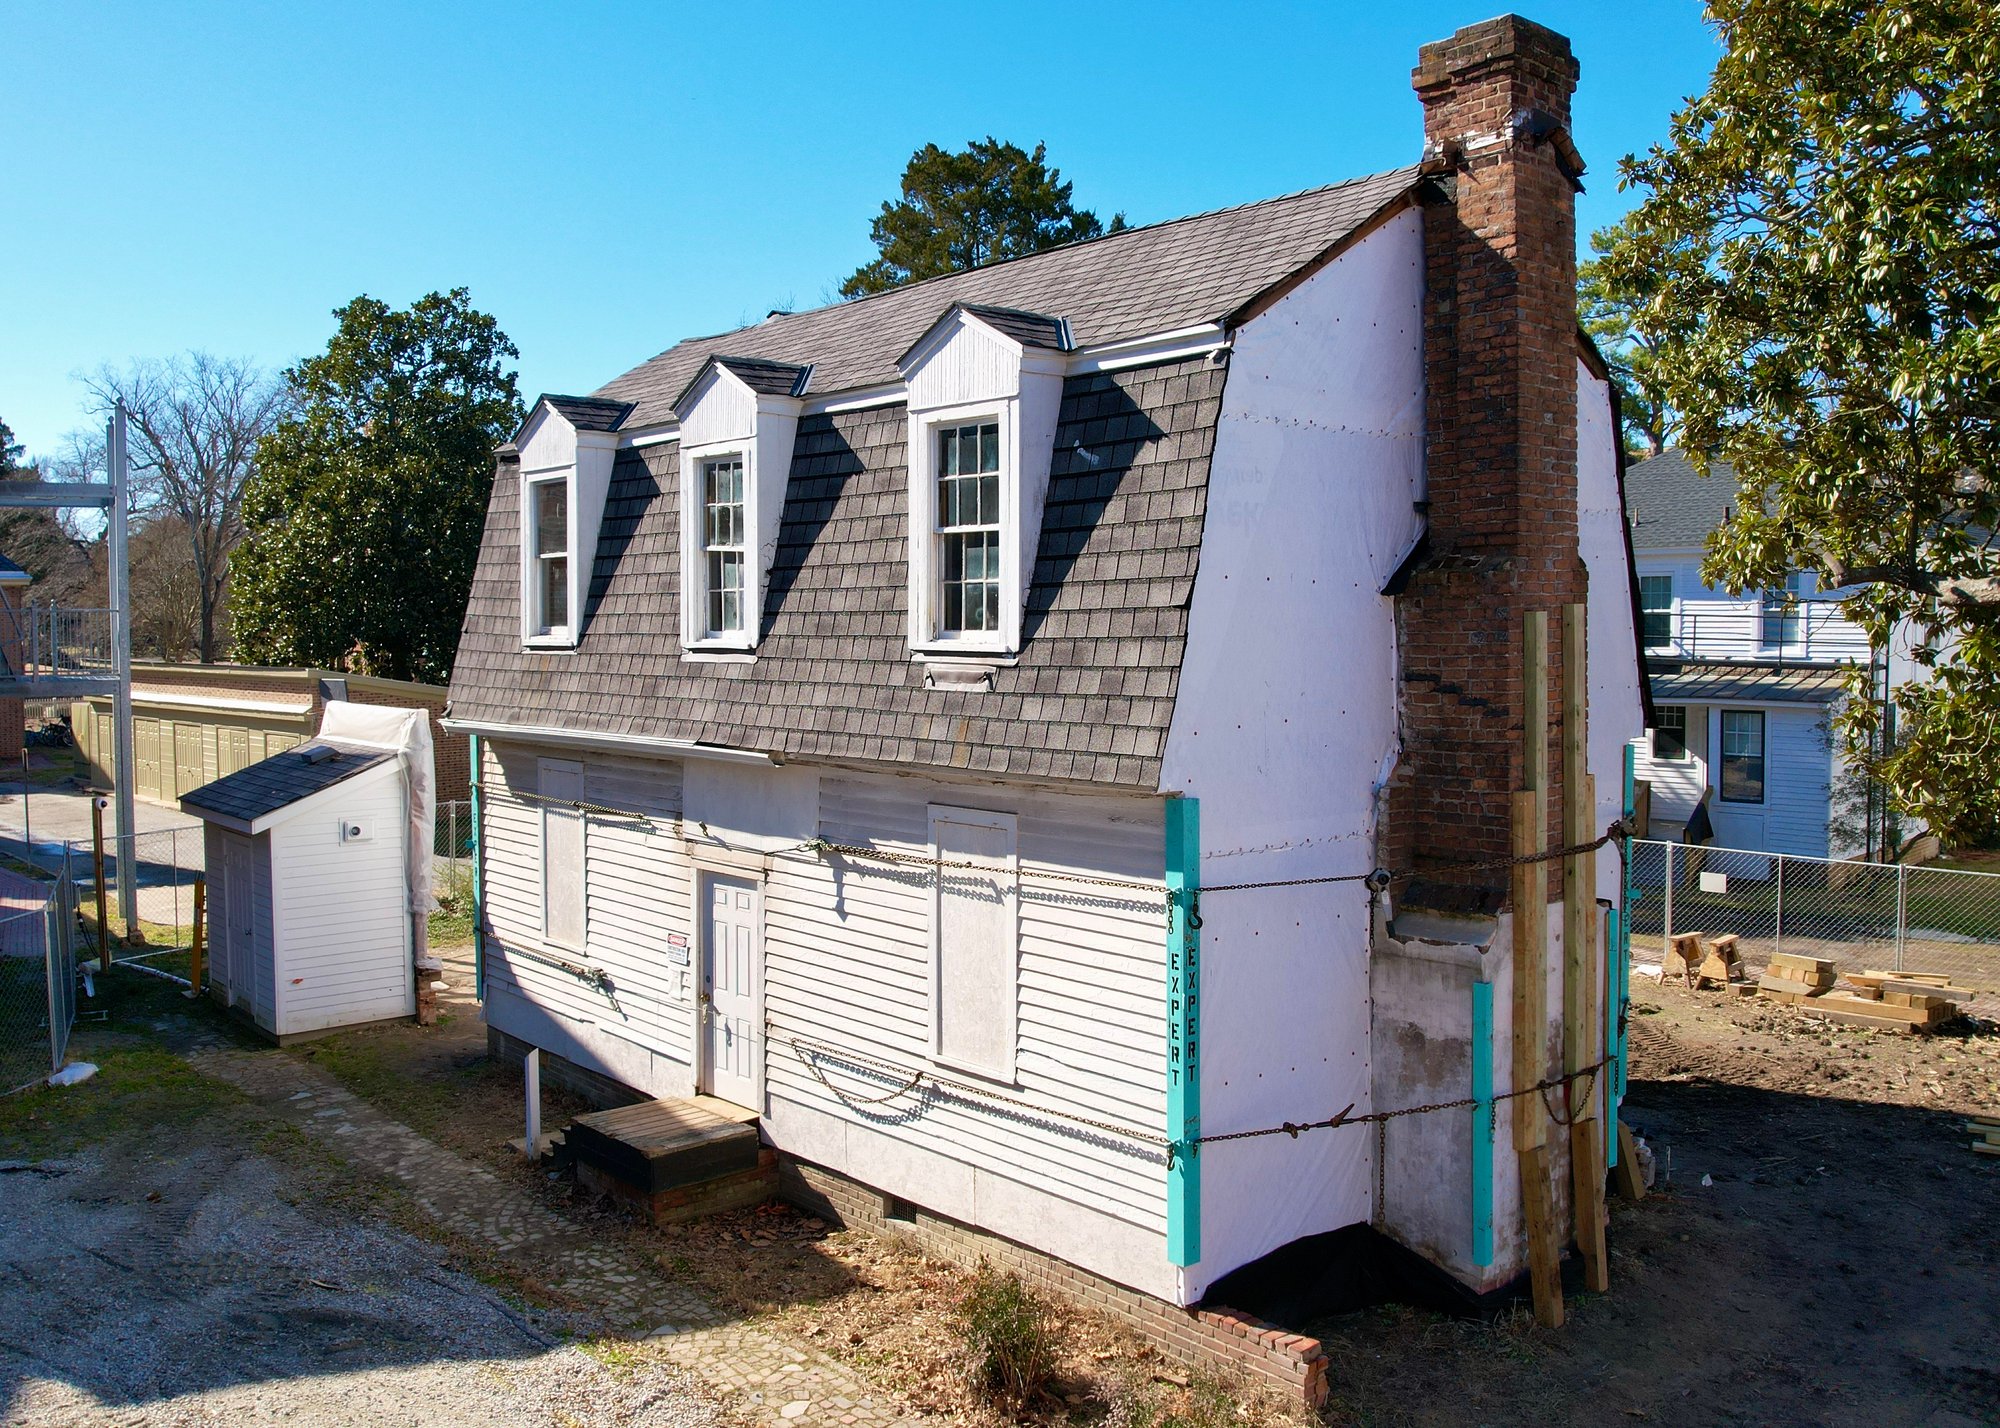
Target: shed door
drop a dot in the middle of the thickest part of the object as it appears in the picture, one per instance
(187, 759)
(145, 753)
(732, 1039)
(239, 912)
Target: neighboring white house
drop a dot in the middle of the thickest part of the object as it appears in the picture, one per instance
(1744, 686)
(851, 688)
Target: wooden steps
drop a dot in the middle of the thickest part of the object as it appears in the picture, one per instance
(673, 1159)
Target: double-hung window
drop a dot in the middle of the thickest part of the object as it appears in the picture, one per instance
(968, 529)
(723, 547)
(1782, 614)
(1742, 756)
(1670, 732)
(1656, 607)
(549, 513)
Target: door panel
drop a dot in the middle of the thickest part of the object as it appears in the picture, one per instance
(732, 1030)
(239, 921)
(146, 755)
(187, 759)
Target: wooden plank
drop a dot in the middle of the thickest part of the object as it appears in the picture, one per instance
(1581, 994)
(1841, 1001)
(1979, 1149)
(1928, 989)
(1877, 1023)
(1531, 984)
(1626, 1177)
(1817, 965)
(1935, 979)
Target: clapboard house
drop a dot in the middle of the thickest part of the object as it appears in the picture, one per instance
(851, 689)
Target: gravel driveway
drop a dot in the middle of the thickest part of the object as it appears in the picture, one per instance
(176, 1285)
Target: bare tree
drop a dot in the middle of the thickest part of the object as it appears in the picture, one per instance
(194, 427)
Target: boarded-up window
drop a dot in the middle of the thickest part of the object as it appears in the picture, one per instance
(974, 972)
(561, 780)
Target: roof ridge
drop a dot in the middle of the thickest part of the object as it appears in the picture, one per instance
(855, 302)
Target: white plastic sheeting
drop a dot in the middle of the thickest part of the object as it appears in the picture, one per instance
(407, 732)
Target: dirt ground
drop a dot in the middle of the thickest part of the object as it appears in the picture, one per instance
(172, 1258)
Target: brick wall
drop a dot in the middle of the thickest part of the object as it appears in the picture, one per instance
(1500, 350)
(1290, 1365)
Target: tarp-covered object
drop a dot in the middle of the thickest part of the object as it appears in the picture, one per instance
(408, 732)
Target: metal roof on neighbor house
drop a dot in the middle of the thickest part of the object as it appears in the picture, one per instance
(282, 780)
(1138, 283)
(1718, 683)
(12, 574)
(1672, 506)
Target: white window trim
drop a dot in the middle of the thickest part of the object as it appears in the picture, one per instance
(535, 630)
(542, 766)
(1793, 604)
(926, 580)
(1670, 611)
(1009, 824)
(696, 585)
(1686, 754)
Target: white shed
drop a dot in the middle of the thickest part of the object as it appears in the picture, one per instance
(308, 888)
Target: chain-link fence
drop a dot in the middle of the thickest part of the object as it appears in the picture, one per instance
(166, 865)
(451, 855)
(37, 978)
(1862, 915)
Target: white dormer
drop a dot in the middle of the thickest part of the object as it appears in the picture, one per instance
(985, 387)
(738, 419)
(566, 447)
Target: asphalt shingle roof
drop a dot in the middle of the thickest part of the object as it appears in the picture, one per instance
(282, 780)
(590, 413)
(1671, 506)
(772, 379)
(1103, 631)
(1142, 281)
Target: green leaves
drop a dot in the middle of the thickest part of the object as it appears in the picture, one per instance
(363, 523)
(961, 210)
(1815, 265)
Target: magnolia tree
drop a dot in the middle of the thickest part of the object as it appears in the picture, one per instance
(1816, 268)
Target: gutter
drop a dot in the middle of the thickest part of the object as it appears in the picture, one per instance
(610, 743)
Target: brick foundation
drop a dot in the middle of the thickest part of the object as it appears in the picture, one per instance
(1291, 1365)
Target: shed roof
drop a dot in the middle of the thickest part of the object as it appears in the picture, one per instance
(12, 574)
(1672, 506)
(1716, 682)
(282, 780)
(1136, 283)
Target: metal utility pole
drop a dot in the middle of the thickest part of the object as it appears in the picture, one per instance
(121, 663)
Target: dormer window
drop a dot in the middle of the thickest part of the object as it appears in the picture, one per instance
(567, 448)
(984, 393)
(968, 528)
(550, 502)
(725, 557)
(738, 419)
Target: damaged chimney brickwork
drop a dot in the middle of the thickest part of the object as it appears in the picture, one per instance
(1500, 348)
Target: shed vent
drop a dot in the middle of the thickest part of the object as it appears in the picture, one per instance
(318, 753)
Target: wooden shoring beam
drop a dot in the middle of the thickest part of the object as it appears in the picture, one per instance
(1531, 979)
(1581, 992)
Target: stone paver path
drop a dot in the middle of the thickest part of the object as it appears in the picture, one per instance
(778, 1379)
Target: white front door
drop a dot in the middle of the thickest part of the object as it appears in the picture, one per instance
(731, 965)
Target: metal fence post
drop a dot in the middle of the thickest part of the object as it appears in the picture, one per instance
(453, 854)
(1778, 927)
(1902, 907)
(1667, 915)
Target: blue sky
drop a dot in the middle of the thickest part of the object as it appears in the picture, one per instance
(607, 179)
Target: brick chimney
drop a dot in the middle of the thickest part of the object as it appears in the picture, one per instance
(1500, 353)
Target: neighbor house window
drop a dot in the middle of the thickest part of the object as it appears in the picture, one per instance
(1742, 756)
(723, 547)
(1656, 607)
(559, 786)
(974, 968)
(550, 502)
(968, 528)
(1670, 733)
(1781, 613)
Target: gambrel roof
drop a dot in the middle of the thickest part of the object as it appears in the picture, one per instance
(1183, 273)
(1090, 694)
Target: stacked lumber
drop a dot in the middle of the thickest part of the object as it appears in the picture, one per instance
(1889, 1001)
(1985, 1134)
(1791, 978)
(1701, 960)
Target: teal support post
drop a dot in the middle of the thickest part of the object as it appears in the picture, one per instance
(1613, 941)
(1482, 1124)
(478, 878)
(1183, 1030)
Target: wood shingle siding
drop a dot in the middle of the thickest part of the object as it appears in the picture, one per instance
(1090, 699)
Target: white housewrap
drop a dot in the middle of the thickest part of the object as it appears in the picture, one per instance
(407, 732)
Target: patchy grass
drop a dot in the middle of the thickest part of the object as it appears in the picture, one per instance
(141, 1089)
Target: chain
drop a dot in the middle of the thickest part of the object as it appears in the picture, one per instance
(806, 1050)
(824, 848)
